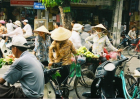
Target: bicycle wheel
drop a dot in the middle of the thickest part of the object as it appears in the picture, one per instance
(130, 83)
(83, 83)
(131, 51)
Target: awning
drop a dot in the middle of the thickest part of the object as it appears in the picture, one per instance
(22, 2)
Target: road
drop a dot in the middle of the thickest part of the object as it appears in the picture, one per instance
(133, 64)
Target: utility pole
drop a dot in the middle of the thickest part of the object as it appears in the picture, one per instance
(38, 12)
(117, 22)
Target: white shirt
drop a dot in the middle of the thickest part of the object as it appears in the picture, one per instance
(99, 44)
(84, 35)
(28, 29)
(17, 32)
(76, 39)
(132, 34)
(9, 27)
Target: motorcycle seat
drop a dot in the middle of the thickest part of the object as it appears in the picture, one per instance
(138, 69)
(137, 73)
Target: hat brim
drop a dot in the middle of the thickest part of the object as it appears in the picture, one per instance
(89, 29)
(60, 34)
(99, 26)
(76, 29)
(21, 46)
(24, 21)
(16, 24)
(42, 31)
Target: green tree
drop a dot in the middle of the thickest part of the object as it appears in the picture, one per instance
(66, 17)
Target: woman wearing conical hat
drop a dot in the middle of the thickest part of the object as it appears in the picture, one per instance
(63, 49)
(99, 40)
(42, 43)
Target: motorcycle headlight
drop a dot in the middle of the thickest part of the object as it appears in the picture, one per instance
(109, 67)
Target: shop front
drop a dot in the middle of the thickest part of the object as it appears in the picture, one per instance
(93, 12)
(23, 9)
(134, 14)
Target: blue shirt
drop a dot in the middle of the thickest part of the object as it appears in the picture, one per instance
(29, 71)
(42, 48)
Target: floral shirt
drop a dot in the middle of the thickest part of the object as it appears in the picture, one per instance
(99, 43)
(42, 48)
(63, 52)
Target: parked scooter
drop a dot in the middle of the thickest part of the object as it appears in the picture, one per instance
(125, 41)
(5, 49)
(106, 85)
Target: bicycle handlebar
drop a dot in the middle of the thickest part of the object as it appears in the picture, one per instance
(132, 57)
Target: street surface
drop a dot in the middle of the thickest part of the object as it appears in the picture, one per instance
(133, 64)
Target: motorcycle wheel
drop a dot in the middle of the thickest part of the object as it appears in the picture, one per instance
(83, 84)
(131, 51)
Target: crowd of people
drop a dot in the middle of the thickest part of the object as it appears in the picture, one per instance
(28, 68)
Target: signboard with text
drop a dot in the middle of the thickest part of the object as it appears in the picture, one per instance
(39, 6)
(21, 2)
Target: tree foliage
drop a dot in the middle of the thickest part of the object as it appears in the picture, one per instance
(53, 3)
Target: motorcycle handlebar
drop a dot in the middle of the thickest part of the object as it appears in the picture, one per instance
(117, 63)
(98, 83)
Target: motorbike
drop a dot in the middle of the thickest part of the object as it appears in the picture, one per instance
(5, 49)
(105, 84)
(134, 47)
(125, 41)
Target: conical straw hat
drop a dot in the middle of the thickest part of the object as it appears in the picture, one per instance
(60, 34)
(99, 26)
(18, 23)
(42, 29)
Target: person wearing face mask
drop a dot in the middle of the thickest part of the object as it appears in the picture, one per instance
(99, 41)
(17, 32)
(75, 38)
(42, 43)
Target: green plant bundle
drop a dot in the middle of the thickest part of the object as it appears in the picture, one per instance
(4, 62)
(57, 74)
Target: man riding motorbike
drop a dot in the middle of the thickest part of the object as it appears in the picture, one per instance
(26, 69)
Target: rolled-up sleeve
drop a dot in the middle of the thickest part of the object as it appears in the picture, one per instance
(36, 44)
(13, 74)
(12, 33)
(110, 45)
